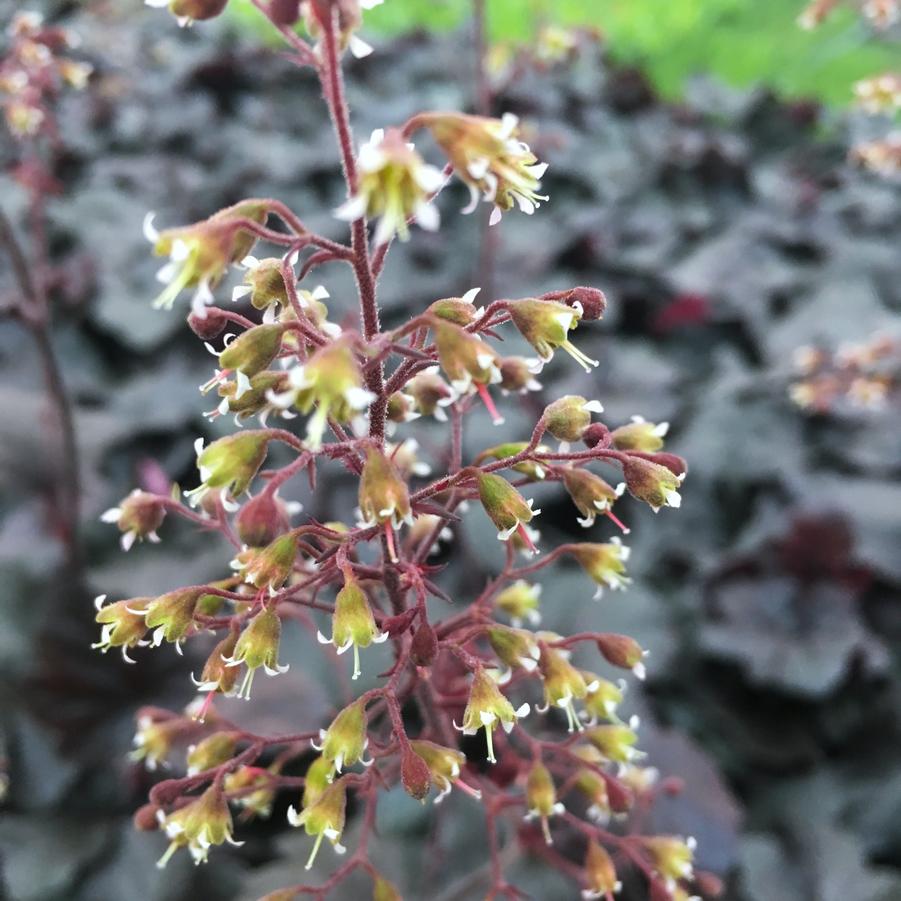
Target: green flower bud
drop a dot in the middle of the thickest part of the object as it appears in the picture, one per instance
(445, 766)
(639, 435)
(383, 495)
(324, 818)
(199, 825)
(545, 324)
(487, 708)
(459, 310)
(353, 624)
(590, 493)
(256, 803)
(263, 282)
(318, 777)
(257, 647)
(230, 463)
(138, 516)
(252, 351)
(217, 676)
(534, 470)
(506, 507)
(652, 483)
(520, 602)
(673, 857)
(602, 697)
(171, 615)
(518, 375)
(345, 740)
(514, 647)
(213, 750)
(123, 624)
(600, 873)
(605, 563)
(383, 890)
(430, 393)
(154, 739)
(541, 798)
(465, 358)
(270, 567)
(616, 741)
(568, 418)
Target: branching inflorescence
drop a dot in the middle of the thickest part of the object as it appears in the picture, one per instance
(470, 673)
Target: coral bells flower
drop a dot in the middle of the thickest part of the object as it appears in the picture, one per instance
(257, 803)
(200, 254)
(490, 159)
(520, 602)
(251, 352)
(600, 873)
(270, 567)
(605, 563)
(353, 624)
(394, 185)
(123, 625)
(324, 818)
(563, 684)
(154, 738)
(514, 648)
(171, 615)
(506, 507)
(199, 825)
(384, 499)
(541, 798)
(430, 393)
(546, 324)
(487, 708)
(535, 471)
(639, 435)
(672, 857)
(518, 375)
(652, 483)
(330, 381)
(217, 676)
(602, 698)
(345, 741)
(230, 463)
(258, 647)
(591, 495)
(445, 765)
(138, 516)
(213, 750)
(188, 11)
(617, 741)
(468, 362)
(568, 418)
(459, 310)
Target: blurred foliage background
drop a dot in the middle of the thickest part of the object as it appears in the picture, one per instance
(740, 41)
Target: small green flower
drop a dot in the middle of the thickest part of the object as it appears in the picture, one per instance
(546, 324)
(345, 741)
(229, 463)
(541, 798)
(257, 647)
(324, 818)
(353, 624)
(123, 624)
(639, 435)
(605, 563)
(520, 602)
(199, 825)
(487, 708)
(506, 507)
(563, 684)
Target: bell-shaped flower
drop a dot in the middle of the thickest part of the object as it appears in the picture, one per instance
(672, 857)
(230, 463)
(350, 20)
(123, 624)
(270, 567)
(487, 708)
(345, 741)
(353, 624)
(468, 362)
(138, 516)
(541, 798)
(257, 647)
(324, 818)
(563, 684)
(652, 483)
(514, 648)
(529, 468)
(200, 824)
(171, 615)
(604, 563)
(506, 507)
(568, 417)
(383, 496)
(394, 185)
(600, 873)
(640, 435)
(445, 766)
(616, 741)
(591, 495)
(188, 11)
(459, 310)
(490, 159)
(546, 324)
(200, 254)
(430, 393)
(213, 750)
(520, 602)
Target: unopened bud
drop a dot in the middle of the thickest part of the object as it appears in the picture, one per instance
(209, 326)
(592, 300)
(622, 651)
(284, 12)
(415, 774)
(146, 818)
(424, 646)
(196, 10)
(261, 520)
(596, 434)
